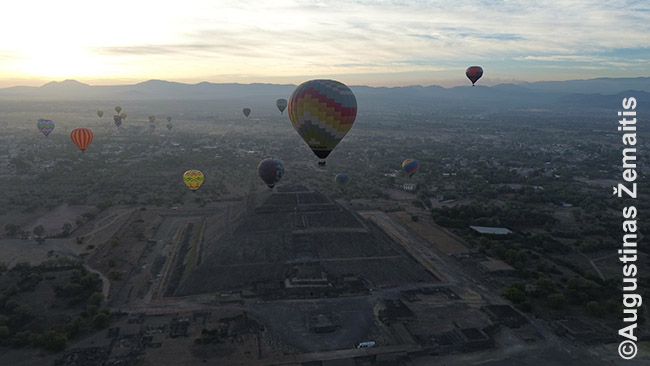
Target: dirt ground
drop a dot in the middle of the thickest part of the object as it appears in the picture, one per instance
(14, 251)
(53, 220)
(427, 229)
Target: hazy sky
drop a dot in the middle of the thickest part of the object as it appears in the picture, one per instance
(288, 41)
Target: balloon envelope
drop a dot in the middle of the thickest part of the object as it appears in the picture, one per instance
(322, 111)
(45, 126)
(271, 171)
(118, 120)
(193, 179)
(82, 137)
(342, 179)
(281, 104)
(123, 115)
(170, 126)
(246, 111)
(410, 166)
(474, 73)
(100, 114)
(118, 109)
(152, 119)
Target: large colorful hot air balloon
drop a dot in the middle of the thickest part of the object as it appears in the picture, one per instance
(82, 137)
(193, 179)
(45, 126)
(322, 111)
(342, 179)
(152, 119)
(100, 114)
(247, 111)
(410, 166)
(170, 126)
(118, 120)
(281, 104)
(271, 171)
(474, 73)
(118, 109)
(169, 119)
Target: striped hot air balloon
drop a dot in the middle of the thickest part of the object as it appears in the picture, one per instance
(474, 73)
(410, 166)
(193, 179)
(82, 137)
(322, 111)
(45, 126)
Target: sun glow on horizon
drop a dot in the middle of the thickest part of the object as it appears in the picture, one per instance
(380, 43)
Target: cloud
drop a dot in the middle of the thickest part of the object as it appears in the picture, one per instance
(309, 37)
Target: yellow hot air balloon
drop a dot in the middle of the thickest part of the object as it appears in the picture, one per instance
(322, 111)
(193, 179)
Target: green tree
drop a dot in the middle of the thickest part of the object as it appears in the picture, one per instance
(100, 321)
(594, 308)
(4, 332)
(515, 295)
(66, 228)
(39, 231)
(97, 298)
(51, 340)
(13, 229)
(556, 301)
(75, 326)
(544, 286)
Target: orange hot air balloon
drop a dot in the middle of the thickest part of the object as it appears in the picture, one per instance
(82, 137)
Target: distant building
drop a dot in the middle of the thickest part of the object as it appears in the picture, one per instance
(488, 230)
(409, 186)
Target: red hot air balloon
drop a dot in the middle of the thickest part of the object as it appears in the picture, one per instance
(82, 137)
(474, 73)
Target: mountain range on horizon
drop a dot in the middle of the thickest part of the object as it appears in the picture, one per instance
(585, 93)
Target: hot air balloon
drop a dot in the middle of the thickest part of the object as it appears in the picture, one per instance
(118, 120)
(45, 126)
(281, 104)
(152, 119)
(123, 115)
(169, 119)
(322, 111)
(82, 137)
(271, 171)
(474, 73)
(118, 109)
(193, 179)
(170, 126)
(410, 166)
(100, 114)
(342, 179)
(246, 111)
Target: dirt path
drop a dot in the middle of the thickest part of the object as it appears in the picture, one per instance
(106, 284)
(98, 229)
(595, 267)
